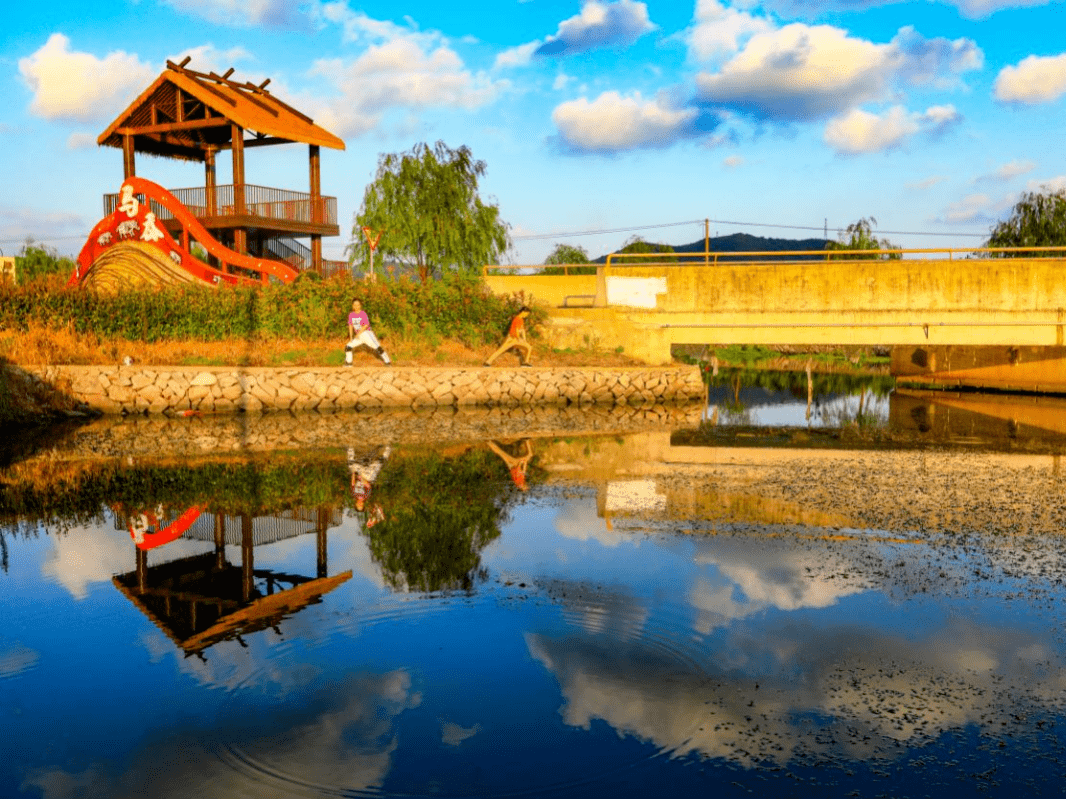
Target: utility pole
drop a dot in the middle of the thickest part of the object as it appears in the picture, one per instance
(707, 240)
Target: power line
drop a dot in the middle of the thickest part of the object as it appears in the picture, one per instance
(820, 228)
(607, 230)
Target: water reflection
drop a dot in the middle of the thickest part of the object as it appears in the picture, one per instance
(763, 398)
(548, 613)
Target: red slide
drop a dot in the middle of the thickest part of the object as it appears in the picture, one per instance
(148, 533)
(134, 222)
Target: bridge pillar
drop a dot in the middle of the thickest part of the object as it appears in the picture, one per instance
(1003, 367)
(609, 329)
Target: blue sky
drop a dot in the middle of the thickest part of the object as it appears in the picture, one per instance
(604, 115)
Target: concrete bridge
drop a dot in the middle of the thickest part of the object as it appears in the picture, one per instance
(952, 317)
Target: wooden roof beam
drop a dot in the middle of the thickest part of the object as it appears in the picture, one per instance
(172, 127)
(160, 147)
(262, 141)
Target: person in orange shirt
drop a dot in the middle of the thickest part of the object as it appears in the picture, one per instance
(516, 466)
(516, 338)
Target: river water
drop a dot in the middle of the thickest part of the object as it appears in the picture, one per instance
(858, 595)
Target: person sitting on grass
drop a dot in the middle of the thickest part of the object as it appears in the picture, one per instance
(359, 334)
(516, 338)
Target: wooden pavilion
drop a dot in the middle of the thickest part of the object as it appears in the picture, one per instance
(200, 600)
(192, 116)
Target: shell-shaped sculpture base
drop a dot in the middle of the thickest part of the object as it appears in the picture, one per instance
(134, 265)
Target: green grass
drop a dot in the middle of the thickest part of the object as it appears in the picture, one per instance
(202, 361)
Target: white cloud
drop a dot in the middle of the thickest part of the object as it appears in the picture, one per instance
(245, 13)
(717, 30)
(972, 208)
(927, 183)
(81, 140)
(1008, 171)
(600, 24)
(978, 9)
(1036, 79)
(400, 73)
(17, 223)
(68, 85)
(732, 162)
(803, 72)
(454, 735)
(16, 659)
(358, 27)
(516, 56)
(207, 57)
(971, 9)
(612, 122)
(582, 523)
(936, 61)
(1056, 184)
(860, 131)
(561, 81)
(954, 677)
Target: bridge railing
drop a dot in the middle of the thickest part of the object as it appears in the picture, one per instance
(763, 257)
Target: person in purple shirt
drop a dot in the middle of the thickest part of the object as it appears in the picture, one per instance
(359, 334)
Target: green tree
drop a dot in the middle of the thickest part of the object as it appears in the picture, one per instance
(568, 254)
(38, 261)
(637, 245)
(860, 236)
(1038, 220)
(426, 203)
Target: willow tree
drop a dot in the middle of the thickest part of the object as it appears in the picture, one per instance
(1038, 219)
(568, 255)
(860, 236)
(425, 203)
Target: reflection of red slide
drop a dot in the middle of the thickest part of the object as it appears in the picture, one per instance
(134, 223)
(147, 538)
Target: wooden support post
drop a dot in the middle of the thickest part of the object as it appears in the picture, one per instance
(323, 525)
(315, 164)
(142, 569)
(129, 169)
(240, 235)
(220, 541)
(210, 182)
(247, 558)
(316, 254)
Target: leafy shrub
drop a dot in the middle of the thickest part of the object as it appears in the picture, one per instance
(455, 307)
(37, 261)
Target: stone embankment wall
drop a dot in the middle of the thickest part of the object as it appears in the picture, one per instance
(223, 436)
(171, 390)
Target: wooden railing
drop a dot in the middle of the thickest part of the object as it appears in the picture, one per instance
(259, 201)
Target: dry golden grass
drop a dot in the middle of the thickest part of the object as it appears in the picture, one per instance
(41, 345)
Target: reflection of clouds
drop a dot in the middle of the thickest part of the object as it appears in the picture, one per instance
(594, 609)
(353, 552)
(16, 659)
(454, 735)
(92, 554)
(807, 694)
(88, 555)
(335, 738)
(771, 574)
(230, 665)
(580, 521)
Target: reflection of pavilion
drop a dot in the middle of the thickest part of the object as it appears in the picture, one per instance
(201, 600)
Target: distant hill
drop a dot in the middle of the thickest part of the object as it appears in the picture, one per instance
(746, 243)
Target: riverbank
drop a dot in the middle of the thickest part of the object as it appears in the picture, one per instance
(136, 389)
